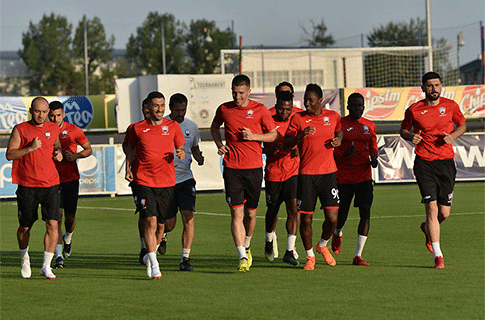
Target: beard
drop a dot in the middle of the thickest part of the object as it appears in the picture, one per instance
(433, 96)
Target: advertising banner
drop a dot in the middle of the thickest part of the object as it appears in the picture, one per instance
(390, 103)
(87, 112)
(396, 158)
(97, 173)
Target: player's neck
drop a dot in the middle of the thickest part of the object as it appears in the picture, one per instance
(155, 122)
(433, 102)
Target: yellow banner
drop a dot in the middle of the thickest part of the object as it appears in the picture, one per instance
(390, 103)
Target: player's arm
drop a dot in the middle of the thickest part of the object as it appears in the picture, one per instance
(217, 137)
(291, 141)
(269, 136)
(180, 152)
(197, 154)
(337, 140)
(415, 138)
(129, 151)
(374, 150)
(86, 152)
(451, 137)
(13, 148)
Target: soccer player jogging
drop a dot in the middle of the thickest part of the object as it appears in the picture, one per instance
(354, 158)
(149, 147)
(246, 124)
(432, 120)
(316, 131)
(70, 137)
(184, 197)
(34, 146)
(281, 180)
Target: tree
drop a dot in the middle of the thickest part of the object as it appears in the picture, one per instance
(144, 50)
(100, 77)
(316, 37)
(47, 53)
(204, 42)
(401, 71)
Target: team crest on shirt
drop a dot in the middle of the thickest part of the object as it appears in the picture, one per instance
(187, 132)
(326, 120)
(442, 111)
(164, 130)
(47, 135)
(250, 114)
(366, 129)
(64, 133)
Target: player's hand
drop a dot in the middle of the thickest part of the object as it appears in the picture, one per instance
(448, 138)
(71, 156)
(36, 144)
(222, 150)
(199, 158)
(295, 152)
(128, 175)
(308, 131)
(57, 155)
(373, 161)
(247, 134)
(180, 153)
(417, 138)
(336, 142)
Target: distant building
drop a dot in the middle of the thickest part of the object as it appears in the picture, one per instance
(471, 73)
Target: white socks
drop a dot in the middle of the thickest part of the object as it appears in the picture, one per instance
(338, 232)
(241, 250)
(322, 242)
(247, 241)
(436, 249)
(185, 254)
(309, 253)
(270, 236)
(360, 244)
(47, 259)
(290, 242)
(58, 251)
(67, 237)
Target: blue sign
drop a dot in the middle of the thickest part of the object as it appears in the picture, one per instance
(79, 111)
(12, 111)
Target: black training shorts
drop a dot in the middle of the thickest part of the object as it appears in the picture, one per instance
(153, 202)
(28, 200)
(363, 192)
(184, 197)
(69, 196)
(243, 186)
(436, 180)
(277, 192)
(311, 187)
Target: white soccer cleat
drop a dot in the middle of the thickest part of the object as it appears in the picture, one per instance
(25, 270)
(47, 273)
(295, 254)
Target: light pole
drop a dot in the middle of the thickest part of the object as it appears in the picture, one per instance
(459, 43)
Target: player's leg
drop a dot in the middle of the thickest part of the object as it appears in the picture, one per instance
(346, 193)
(58, 251)
(187, 239)
(27, 215)
(329, 198)
(292, 220)
(273, 203)
(50, 204)
(71, 194)
(307, 198)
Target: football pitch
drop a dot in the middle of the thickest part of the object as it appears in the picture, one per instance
(104, 280)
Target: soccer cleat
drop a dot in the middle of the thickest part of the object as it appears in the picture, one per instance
(250, 257)
(439, 263)
(295, 254)
(67, 248)
(143, 252)
(290, 258)
(358, 261)
(310, 263)
(243, 265)
(162, 248)
(59, 263)
(156, 273)
(25, 268)
(47, 273)
(268, 251)
(329, 259)
(147, 262)
(185, 265)
(275, 247)
(336, 243)
(428, 240)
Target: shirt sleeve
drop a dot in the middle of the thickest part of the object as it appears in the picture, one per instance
(80, 137)
(292, 130)
(130, 136)
(178, 138)
(374, 150)
(407, 123)
(458, 118)
(218, 118)
(267, 121)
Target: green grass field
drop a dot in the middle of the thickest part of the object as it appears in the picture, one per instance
(103, 279)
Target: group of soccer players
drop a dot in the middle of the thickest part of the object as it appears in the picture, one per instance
(310, 154)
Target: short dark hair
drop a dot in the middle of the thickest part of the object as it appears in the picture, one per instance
(284, 84)
(284, 96)
(177, 98)
(356, 96)
(153, 95)
(428, 76)
(144, 103)
(54, 105)
(241, 79)
(313, 87)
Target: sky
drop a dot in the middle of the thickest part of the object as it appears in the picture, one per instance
(269, 23)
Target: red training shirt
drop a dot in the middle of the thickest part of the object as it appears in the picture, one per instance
(153, 163)
(356, 168)
(280, 166)
(243, 154)
(433, 121)
(316, 152)
(37, 168)
(70, 136)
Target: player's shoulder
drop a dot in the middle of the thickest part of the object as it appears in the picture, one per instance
(367, 122)
(448, 102)
(330, 113)
(417, 105)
